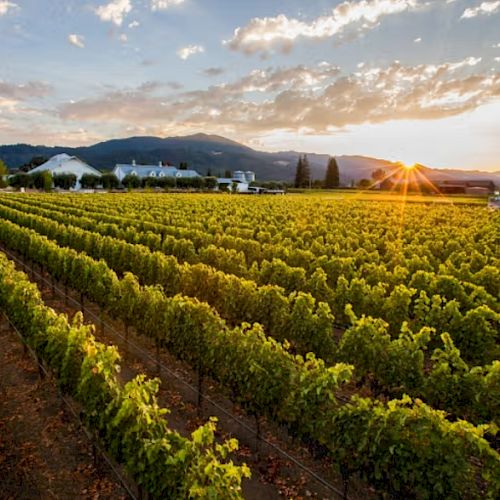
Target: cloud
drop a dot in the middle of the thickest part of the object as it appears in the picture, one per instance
(216, 71)
(23, 91)
(275, 79)
(114, 11)
(262, 34)
(186, 52)
(5, 6)
(123, 38)
(77, 40)
(164, 4)
(174, 85)
(417, 40)
(134, 24)
(485, 8)
(318, 99)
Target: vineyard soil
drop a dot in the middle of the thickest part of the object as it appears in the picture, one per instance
(272, 475)
(43, 453)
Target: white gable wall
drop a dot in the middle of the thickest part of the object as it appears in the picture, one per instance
(65, 164)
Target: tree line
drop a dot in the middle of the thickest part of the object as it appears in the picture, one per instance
(303, 177)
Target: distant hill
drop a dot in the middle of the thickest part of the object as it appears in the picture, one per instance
(215, 153)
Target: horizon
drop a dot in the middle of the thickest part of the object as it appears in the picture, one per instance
(349, 155)
(401, 80)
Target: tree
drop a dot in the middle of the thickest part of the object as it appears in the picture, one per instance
(36, 161)
(131, 181)
(90, 181)
(228, 174)
(183, 165)
(47, 181)
(332, 178)
(109, 181)
(4, 171)
(64, 181)
(210, 182)
(379, 174)
(364, 183)
(303, 172)
(21, 180)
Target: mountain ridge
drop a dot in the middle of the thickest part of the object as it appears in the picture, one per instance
(215, 154)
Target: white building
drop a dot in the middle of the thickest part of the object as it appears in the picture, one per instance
(240, 179)
(226, 183)
(66, 164)
(121, 170)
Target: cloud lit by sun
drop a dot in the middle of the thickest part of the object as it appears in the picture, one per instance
(260, 74)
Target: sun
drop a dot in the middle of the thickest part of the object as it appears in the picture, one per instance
(409, 167)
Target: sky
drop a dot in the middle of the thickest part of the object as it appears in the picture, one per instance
(407, 80)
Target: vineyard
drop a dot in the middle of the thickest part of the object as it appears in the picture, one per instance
(367, 330)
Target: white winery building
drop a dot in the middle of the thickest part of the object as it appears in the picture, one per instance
(66, 164)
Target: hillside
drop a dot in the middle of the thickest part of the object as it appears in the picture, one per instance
(216, 154)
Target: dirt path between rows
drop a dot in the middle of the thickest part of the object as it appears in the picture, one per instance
(43, 452)
(273, 476)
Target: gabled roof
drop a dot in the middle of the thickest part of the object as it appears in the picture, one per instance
(58, 161)
(156, 170)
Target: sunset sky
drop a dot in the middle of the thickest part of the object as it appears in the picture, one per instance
(409, 80)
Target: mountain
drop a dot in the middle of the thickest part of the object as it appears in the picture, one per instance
(205, 152)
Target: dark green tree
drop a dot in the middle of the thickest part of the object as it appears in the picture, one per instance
(90, 181)
(228, 174)
(379, 174)
(364, 183)
(210, 182)
(332, 178)
(20, 180)
(109, 181)
(36, 161)
(4, 171)
(47, 181)
(65, 181)
(183, 165)
(303, 172)
(131, 181)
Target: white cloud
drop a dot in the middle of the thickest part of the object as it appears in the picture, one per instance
(123, 38)
(23, 91)
(484, 8)
(417, 40)
(186, 52)
(164, 4)
(77, 40)
(315, 99)
(114, 11)
(134, 24)
(5, 6)
(261, 34)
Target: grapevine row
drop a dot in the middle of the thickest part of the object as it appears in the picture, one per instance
(474, 328)
(127, 418)
(389, 445)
